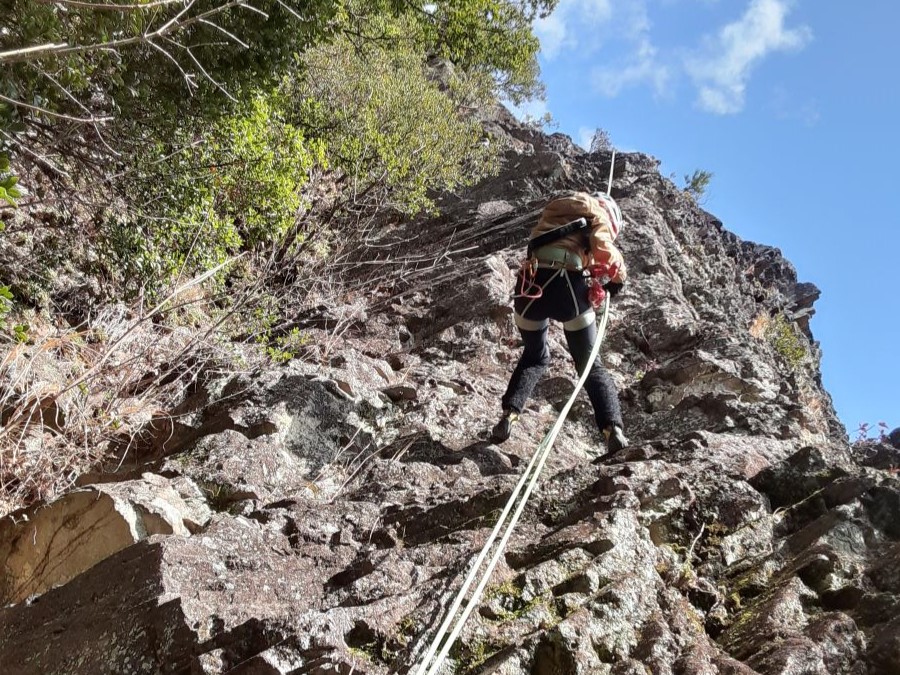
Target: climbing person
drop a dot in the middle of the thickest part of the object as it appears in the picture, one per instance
(572, 240)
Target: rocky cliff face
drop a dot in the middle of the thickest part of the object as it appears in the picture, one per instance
(318, 518)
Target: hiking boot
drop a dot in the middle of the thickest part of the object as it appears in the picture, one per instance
(503, 428)
(615, 439)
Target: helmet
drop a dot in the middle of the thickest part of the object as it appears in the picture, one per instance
(615, 214)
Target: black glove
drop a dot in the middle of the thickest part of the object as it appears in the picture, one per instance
(612, 288)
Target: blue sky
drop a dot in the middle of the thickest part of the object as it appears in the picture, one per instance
(794, 107)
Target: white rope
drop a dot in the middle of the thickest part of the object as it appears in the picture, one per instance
(612, 166)
(537, 464)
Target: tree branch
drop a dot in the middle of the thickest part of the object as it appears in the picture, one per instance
(20, 104)
(200, 67)
(231, 35)
(187, 78)
(75, 100)
(62, 48)
(110, 5)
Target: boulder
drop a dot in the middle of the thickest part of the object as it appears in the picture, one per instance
(49, 545)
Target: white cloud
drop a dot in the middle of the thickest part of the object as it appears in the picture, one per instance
(529, 110)
(588, 25)
(585, 136)
(564, 28)
(721, 71)
(642, 66)
(553, 33)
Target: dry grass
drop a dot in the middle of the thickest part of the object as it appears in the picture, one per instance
(74, 399)
(72, 394)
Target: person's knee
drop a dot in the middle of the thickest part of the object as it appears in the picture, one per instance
(539, 361)
(544, 358)
(537, 351)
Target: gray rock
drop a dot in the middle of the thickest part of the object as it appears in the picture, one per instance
(737, 535)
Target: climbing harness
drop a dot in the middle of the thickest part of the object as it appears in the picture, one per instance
(541, 253)
(431, 663)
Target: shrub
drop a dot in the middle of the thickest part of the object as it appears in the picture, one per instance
(697, 183)
(600, 141)
(784, 339)
(864, 429)
(8, 195)
(195, 204)
(392, 133)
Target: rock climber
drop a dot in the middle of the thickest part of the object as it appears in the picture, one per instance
(554, 284)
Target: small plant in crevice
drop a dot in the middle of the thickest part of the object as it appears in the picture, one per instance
(467, 656)
(222, 497)
(866, 433)
(782, 336)
(286, 347)
(696, 184)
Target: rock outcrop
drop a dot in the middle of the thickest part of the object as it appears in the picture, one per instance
(318, 518)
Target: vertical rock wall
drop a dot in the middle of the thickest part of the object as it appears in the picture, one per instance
(738, 534)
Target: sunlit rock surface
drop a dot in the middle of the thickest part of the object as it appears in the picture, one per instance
(318, 518)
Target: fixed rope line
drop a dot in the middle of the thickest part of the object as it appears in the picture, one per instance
(529, 481)
(612, 167)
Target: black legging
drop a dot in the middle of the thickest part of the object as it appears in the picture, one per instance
(564, 299)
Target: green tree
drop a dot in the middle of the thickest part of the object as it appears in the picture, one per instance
(493, 37)
(393, 132)
(203, 122)
(87, 62)
(242, 187)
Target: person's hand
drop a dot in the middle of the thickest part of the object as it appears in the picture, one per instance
(613, 288)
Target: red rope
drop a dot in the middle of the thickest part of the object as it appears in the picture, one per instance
(526, 276)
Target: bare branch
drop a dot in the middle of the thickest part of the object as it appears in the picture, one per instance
(20, 104)
(25, 53)
(199, 65)
(231, 35)
(287, 7)
(187, 78)
(72, 98)
(255, 9)
(175, 18)
(111, 5)
(160, 160)
(173, 25)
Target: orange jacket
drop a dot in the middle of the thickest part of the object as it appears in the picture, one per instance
(602, 251)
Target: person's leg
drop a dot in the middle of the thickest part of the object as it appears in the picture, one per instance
(531, 367)
(599, 385)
